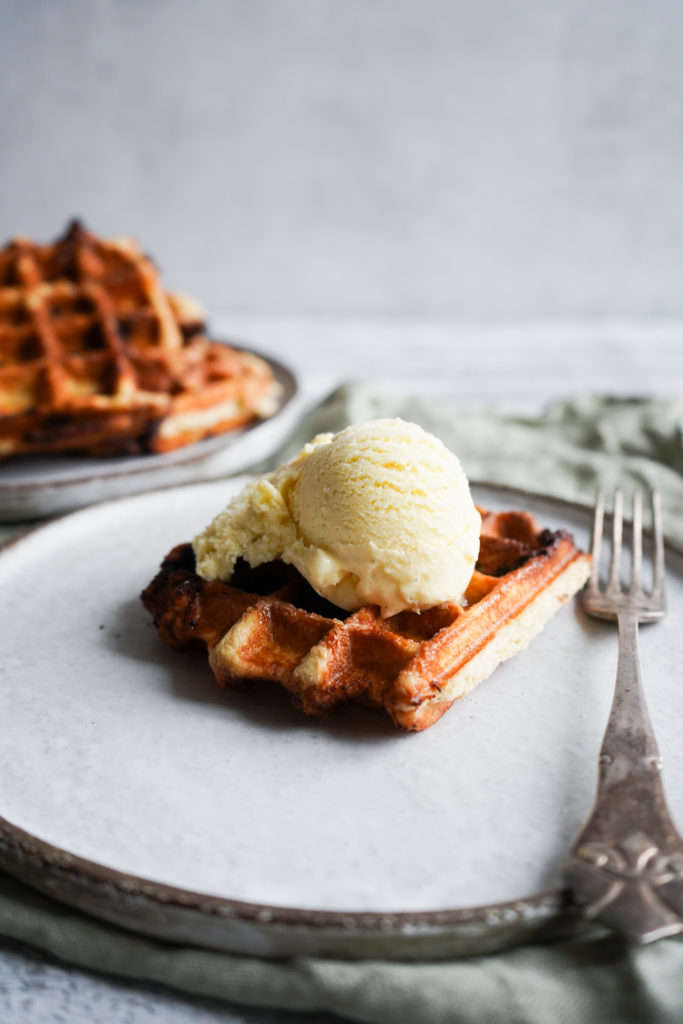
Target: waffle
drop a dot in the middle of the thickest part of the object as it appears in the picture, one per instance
(96, 358)
(268, 624)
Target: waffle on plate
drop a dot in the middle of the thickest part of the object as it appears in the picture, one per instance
(96, 358)
(269, 624)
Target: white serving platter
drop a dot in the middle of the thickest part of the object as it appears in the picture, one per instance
(134, 787)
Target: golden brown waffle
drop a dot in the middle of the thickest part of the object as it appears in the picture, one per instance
(269, 624)
(95, 357)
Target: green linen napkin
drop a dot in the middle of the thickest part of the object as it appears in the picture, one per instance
(565, 452)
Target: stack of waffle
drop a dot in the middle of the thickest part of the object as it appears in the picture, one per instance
(96, 358)
(267, 623)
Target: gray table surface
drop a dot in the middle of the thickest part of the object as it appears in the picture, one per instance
(515, 365)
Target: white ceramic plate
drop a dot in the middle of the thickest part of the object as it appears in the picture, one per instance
(128, 757)
(38, 486)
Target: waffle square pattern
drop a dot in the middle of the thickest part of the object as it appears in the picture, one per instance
(268, 624)
(96, 358)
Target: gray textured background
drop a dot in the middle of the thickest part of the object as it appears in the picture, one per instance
(477, 158)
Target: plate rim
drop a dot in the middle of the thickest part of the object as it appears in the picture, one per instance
(149, 907)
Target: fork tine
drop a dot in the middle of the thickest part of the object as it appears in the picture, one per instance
(598, 518)
(637, 554)
(658, 536)
(614, 581)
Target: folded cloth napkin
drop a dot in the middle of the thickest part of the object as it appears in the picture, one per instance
(565, 452)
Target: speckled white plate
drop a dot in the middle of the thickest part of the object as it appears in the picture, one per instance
(38, 486)
(256, 828)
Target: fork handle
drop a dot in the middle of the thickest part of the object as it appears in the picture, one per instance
(626, 863)
(629, 749)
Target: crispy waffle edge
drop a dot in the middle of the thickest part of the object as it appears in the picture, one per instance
(414, 666)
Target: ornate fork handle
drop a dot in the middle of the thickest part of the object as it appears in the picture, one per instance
(626, 864)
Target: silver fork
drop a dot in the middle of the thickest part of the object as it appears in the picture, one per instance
(626, 863)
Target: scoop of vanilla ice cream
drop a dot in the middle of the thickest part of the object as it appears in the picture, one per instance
(380, 513)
